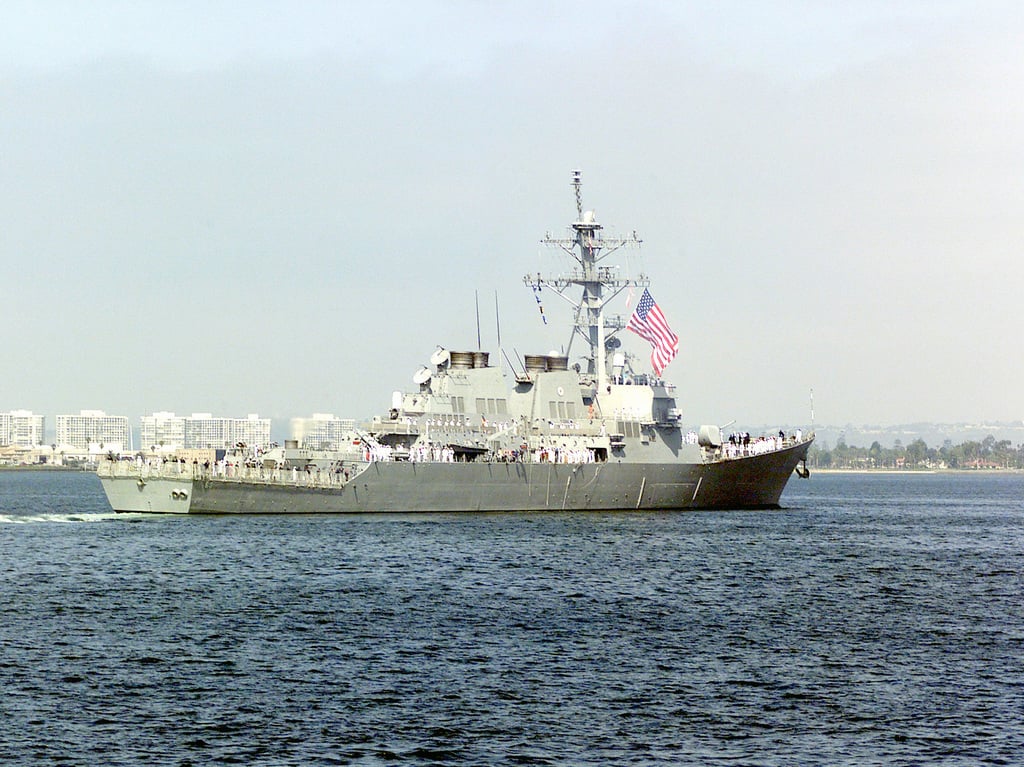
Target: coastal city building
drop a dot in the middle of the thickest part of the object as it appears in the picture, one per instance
(162, 432)
(251, 430)
(165, 432)
(22, 428)
(204, 430)
(93, 431)
(321, 432)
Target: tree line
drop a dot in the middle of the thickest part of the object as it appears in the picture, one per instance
(989, 453)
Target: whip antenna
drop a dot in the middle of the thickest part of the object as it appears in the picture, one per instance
(497, 319)
(476, 296)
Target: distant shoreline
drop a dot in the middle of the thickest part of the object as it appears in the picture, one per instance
(39, 467)
(915, 471)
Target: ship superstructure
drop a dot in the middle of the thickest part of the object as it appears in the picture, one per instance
(553, 434)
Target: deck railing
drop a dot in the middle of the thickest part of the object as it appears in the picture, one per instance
(236, 472)
(340, 475)
(756, 446)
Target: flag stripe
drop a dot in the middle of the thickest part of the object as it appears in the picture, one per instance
(649, 323)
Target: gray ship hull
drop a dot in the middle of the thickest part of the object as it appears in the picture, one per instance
(392, 486)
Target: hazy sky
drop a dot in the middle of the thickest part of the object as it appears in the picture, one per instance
(283, 208)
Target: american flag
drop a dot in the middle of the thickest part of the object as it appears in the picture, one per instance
(649, 323)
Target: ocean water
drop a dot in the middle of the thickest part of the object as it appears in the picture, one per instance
(874, 620)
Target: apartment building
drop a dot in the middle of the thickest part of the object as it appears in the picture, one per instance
(167, 432)
(321, 432)
(93, 428)
(162, 431)
(22, 428)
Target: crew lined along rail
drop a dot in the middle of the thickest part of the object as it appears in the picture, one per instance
(340, 472)
(742, 445)
(336, 475)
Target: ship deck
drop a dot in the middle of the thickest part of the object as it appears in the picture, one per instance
(314, 477)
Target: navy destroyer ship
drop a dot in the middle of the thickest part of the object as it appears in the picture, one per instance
(553, 432)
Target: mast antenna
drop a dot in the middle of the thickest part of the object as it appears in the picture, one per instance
(497, 327)
(577, 182)
(497, 318)
(476, 297)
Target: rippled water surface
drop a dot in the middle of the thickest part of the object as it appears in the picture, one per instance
(875, 620)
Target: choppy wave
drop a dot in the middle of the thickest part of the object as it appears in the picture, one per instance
(26, 519)
(873, 621)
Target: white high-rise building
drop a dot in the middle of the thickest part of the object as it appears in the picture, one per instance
(93, 429)
(166, 431)
(162, 431)
(202, 430)
(22, 428)
(251, 430)
(321, 432)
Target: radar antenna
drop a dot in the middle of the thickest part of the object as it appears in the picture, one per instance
(588, 248)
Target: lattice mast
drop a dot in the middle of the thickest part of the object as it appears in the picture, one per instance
(588, 248)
